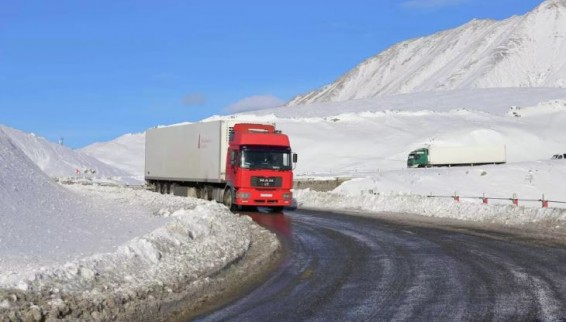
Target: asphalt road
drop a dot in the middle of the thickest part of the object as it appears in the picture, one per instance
(348, 268)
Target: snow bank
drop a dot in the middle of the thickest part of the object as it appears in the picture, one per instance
(46, 224)
(93, 252)
(197, 240)
(536, 218)
(525, 180)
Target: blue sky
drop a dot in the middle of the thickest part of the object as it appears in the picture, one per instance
(90, 71)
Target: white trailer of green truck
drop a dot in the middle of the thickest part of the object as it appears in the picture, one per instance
(447, 156)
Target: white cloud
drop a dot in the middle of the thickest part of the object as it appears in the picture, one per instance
(420, 4)
(194, 99)
(252, 103)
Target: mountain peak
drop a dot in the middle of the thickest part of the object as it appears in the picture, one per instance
(553, 4)
(549, 6)
(521, 51)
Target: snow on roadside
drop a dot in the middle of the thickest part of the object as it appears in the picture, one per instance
(66, 249)
(507, 215)
(406, 191)
(197, 240)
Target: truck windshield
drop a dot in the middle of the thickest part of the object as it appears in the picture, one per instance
(261, 158)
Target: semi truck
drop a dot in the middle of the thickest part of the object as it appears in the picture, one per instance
(236, 163)
(446, 156)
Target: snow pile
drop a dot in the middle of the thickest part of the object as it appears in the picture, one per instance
(157, 232)
(60, 161)
(193, 243)
(522, 51)
(67, 249)
(42, 221)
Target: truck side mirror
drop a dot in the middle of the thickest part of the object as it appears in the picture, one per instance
(295, 157)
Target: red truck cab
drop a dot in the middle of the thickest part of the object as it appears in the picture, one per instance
(259, 167)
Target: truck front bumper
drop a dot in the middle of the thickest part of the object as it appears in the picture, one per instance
(267, 198)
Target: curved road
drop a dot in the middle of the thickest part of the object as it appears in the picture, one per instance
(348, 268)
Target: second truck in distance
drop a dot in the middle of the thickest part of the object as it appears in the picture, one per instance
(447, 156)
(238, 164)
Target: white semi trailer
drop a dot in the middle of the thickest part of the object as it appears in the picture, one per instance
(238, 164)
(439, 156)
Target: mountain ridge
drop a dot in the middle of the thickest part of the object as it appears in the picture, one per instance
(520, 51)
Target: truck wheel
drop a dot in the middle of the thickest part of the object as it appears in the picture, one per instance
(171, 190)
(160, 187)
(228, 200)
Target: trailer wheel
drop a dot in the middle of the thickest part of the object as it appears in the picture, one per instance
(164, 188)
(161, 187)
(208, 192)
(171, 189)
(228, 199)
(200, 192)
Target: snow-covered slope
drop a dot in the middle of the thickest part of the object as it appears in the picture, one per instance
(522, 51)
(57, 160)
(357, 144)
(92, 252)
(43, 219)
(126, 152)
(361, 137)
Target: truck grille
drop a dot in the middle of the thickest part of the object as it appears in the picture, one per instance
(266, 181)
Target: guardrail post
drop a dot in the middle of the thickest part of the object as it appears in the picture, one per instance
(484, 199)
(515, 200)
(456, 197)
(544, 202)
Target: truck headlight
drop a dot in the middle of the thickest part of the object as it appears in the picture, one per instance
(243, 195)
(288, 196)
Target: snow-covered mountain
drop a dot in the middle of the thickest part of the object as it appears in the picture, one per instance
(57, 160)
(522, 51)
(359, 137)
(126, 152)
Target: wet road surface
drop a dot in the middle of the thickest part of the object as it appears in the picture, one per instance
(348, 268)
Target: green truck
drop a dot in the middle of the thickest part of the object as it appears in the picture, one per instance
(446, 156)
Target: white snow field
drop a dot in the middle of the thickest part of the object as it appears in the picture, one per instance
(371, 139)
(372, 146)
